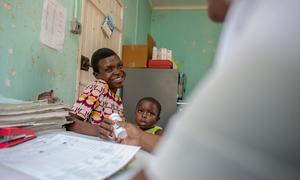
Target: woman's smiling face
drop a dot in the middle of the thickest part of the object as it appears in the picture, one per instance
(112, 71)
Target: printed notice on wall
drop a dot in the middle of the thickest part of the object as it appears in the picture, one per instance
(53, 25)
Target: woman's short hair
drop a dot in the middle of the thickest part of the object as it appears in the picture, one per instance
(99, 55)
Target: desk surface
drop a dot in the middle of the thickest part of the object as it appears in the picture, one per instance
(128, 171)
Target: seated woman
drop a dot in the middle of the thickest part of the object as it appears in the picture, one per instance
(99, 98)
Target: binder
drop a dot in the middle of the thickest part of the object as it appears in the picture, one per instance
(12, 136)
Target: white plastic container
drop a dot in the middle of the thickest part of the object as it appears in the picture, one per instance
(162, 55)
(169, 54)
(119, 131)
(154, 53)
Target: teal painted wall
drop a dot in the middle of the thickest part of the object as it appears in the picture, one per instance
(137, 21)
(192, 36)
(130, 21)
(28, 67)
(144, 21)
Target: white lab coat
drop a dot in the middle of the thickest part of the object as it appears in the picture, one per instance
(243, 121)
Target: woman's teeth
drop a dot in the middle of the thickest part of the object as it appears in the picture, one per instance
(118, 79)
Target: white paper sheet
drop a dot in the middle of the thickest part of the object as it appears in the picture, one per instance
(53, 25)
(67, 157)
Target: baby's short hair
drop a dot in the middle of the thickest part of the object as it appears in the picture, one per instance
(153, 100)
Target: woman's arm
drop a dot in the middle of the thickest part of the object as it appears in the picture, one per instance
(139, 138)
(148, 141)
(103, 130)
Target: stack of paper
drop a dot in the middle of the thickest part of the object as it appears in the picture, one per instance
(60, 156)
(36, 115)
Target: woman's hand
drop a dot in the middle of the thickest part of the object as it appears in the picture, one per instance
(133, 134)
(137, 137)
(106, 130)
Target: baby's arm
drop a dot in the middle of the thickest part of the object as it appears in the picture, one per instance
(159, 132)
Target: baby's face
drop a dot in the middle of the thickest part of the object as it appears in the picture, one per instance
(146, 114)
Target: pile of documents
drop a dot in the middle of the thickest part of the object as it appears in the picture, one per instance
(65, 156)
(34, 115)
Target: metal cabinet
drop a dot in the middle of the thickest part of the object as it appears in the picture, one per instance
(162, 84)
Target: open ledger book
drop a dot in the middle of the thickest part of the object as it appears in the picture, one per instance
(66, 157)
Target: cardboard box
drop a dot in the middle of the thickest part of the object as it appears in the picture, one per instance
(138, 55)
(135, 55)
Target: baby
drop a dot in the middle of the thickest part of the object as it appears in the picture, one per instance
(147, 114)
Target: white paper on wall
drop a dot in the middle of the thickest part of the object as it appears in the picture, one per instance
(53, 25)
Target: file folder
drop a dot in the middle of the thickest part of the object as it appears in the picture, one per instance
(12, 136)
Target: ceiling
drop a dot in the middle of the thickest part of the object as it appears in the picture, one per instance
(178, 4)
